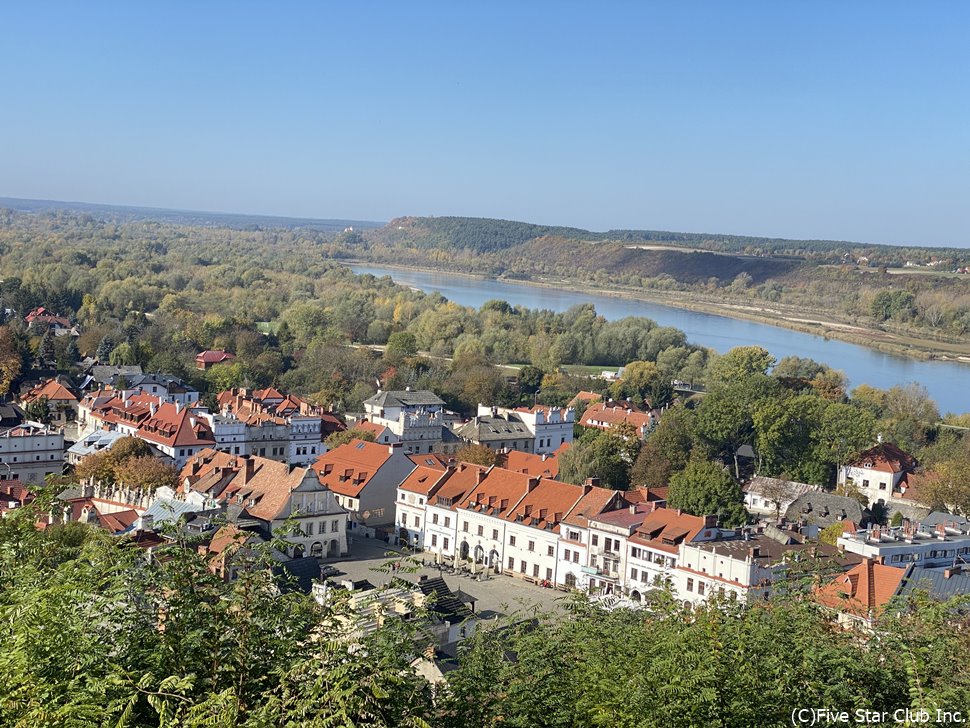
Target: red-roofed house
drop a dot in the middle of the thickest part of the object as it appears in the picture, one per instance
(653, 550)
(61, 401)
(545, 466)
(862, 593)
(881, 474)
(208, 358)
(270, 493)
(41, 316)
(574, 534)
(365, 477)
(413, 495)
(441, 518)
(606, 415)
(13, 495)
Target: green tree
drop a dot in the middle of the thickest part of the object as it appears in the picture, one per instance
(724, 420)
(740, 363)
(598, 454)
(705, 488)
(401, 344)
(342, 438)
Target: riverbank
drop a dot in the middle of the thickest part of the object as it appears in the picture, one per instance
(785, 317)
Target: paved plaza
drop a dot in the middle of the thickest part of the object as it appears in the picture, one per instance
(497, 595)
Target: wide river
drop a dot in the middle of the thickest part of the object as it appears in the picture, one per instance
(947, 382)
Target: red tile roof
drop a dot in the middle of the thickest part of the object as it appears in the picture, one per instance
(53, 390)
(863, 590)
(613, 414)
(348, 469)
(595, 502)
(525, 462)
(498, 491)
(465, 477)
(665, 529)
(175, 426)
(423, 479)
(886, 458)
(545, 505)
(214, 356)
(260, 485)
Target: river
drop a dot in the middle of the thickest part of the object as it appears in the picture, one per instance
(947, 382)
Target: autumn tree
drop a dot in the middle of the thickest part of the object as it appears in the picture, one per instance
(342, 438)
(476, 454)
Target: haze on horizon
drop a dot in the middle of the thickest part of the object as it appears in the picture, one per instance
(822, 120)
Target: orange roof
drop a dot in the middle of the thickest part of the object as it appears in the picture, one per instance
(431, 460)
(546, 504)
(465, 477)
(368, 426)
(423, 479)
(175, 426)
(53, 390)
(596, 501)
(263, 488)
(863, 590)
(498, 491)
(214, 356)
(614, 414)
(665, 529)
(348, 469)
(530, 464)
(886, 458)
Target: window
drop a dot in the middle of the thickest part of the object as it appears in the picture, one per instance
(511, 540)
(882, 486)
(434, 539)
(865, 483)
(548, 574)
(334, 526)
(447, 521)
(417, 522)
(532, 545)
(565, 554)
(523, 567)
(495, 534)
(594, 539)
(690, 585)
(633, 574)
(551, 551)
(403, 496)
(575, 557)
(464, 526)
(434, 518)
(535, 570)
(481, 530)
(700, 588)
(511, 564)
(444, 544)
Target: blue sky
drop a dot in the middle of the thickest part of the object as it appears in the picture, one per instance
(796, 119)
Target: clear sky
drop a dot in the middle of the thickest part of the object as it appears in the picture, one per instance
(827, 119)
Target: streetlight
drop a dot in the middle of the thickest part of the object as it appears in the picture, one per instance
(535, 397)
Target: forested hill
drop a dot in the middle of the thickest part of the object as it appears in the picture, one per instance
(486, 235)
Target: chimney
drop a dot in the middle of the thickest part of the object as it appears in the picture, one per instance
(952, 571)
(249, 469)
(592, 482)
(633, 509)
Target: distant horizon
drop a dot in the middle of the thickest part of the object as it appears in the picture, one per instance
(373, 223)
(817, 121)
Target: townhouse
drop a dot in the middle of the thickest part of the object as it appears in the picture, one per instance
(62, 403)
(654, 548)
(941, 540)
(480, 522)
(365, 477)
(30, 452)
(574, 531)
(413, 493)
(440, 518)
(550, 427)
(884, 474)
(532, 529)
(265, 494)
(606, 415)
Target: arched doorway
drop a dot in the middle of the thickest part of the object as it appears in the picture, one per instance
(570, 580)
(402, 537)
(316, 550)
(463, 552)
(333, 548)
(479, 555)
(635, 596)
(495, 561)
(298, 552)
